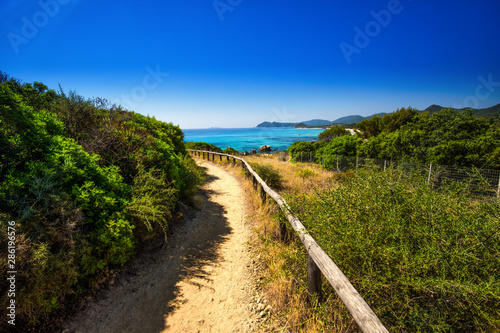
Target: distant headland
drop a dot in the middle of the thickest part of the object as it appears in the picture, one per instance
(493, 111)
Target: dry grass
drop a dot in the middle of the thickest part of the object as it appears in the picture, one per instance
(283, 276)
(299, 178)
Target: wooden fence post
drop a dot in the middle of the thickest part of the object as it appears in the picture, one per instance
(322, 263)
(282, 231)
(313, 277)
(220, 157)
(498, 191)
(262, 194)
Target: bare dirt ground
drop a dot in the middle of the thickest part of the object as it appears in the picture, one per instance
(201, 280)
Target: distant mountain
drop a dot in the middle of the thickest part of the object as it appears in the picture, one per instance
(493, 111)
(487, 112)
(348, 120)
(309, 123)
(317, 122)
(276, 124)
(434, 108)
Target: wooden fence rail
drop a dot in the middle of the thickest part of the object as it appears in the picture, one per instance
(318, 260)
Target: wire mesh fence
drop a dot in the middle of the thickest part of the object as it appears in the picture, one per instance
(477, 182)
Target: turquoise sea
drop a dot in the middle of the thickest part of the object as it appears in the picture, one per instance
(246, 139)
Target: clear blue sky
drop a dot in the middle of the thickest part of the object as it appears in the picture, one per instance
(236, 63)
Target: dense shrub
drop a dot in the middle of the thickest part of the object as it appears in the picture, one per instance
(202, 146)
(84, 181)
(343, 146)
(153, 199)
(448, 137)
(303, 150)
(423, 260)
(269, 174)
(231, 151)
(332, 132)
(387, 123)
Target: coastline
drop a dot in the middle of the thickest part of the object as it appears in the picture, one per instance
(247, 139)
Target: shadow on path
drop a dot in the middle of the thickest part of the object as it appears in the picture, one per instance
(145, 292)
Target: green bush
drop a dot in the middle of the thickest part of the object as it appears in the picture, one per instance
(305, 173)
(343, 146)
(231, 151)
(202, 146)
(333, 132)
(270, 175)
(303, 150)
(424, 261)
(84, 181)
(153, 200)
(448, 137)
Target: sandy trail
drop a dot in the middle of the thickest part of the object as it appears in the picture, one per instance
(200, 281)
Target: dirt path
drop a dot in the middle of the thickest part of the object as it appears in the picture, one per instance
(200, 281)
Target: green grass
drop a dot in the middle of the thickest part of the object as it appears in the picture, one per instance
(425, 261)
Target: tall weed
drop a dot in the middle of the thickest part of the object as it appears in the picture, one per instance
(153, 200)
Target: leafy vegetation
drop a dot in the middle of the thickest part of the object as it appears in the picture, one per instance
(269, 174)
(202, 146)
(423, 260)
(231, 151)
(85, 181)
(304, 150)
(448, 137)
(332, 132)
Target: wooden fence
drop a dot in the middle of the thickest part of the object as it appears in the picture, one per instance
(318, 261)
